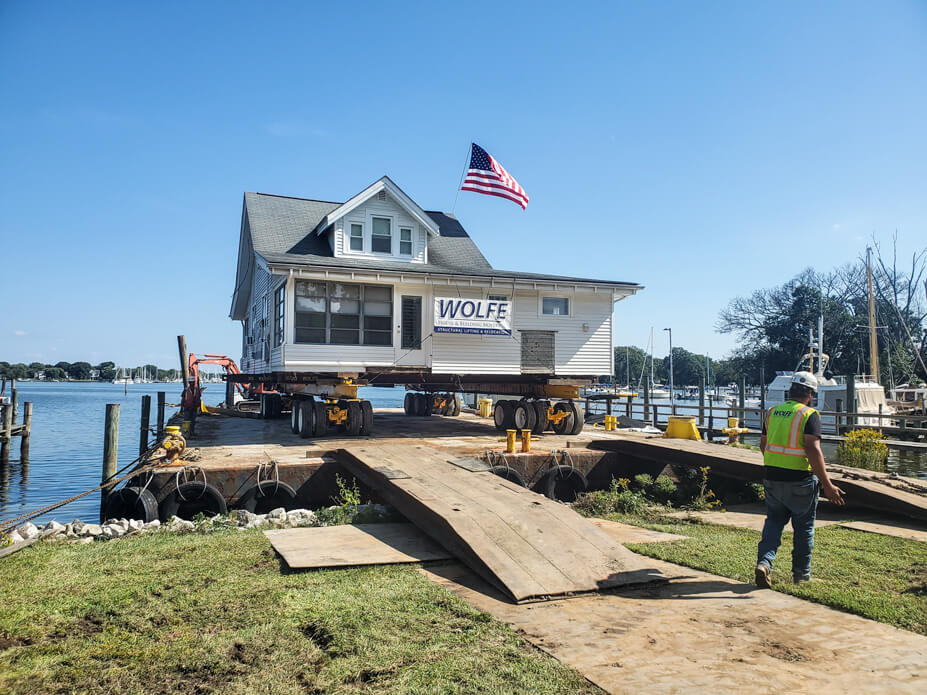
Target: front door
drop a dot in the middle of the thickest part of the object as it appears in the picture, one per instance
(409, 350)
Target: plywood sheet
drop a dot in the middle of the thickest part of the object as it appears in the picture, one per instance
(525, 544)
(354, 545)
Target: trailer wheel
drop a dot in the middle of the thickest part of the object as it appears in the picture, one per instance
(565, 426)
(367, 422)
(524, 415)
(563, 483)
(428, 404)
(509, 474)
(502, 415)
(306, 410)
(265, 405)
(130, 503)
(408, 403)
(267, 495)
(579, 417)
(455, 404)
(540, 409)
(191, 498)
(294, 415)
(321, 419)
(355, 421)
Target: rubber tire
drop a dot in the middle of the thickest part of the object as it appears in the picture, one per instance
(294, 416)
(408, 404)
(579, 418)
(307, 418)
(264, 407)
(367, 412)
(321, 419)
(276, 405)
(565, 426)
(455, 399)
(355, 421)
(563, 483)
(509, 474)
(201, 497)
(273, 495)
(130, 503)
(428, 404)
(524, 417)
(505, 419)
(541, 425)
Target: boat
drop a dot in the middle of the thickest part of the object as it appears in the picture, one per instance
(123, 379)
(909, 399)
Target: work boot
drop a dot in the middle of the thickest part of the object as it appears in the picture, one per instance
(761, 576)
(803, 580)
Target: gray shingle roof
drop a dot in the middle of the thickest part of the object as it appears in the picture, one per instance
(281, 232)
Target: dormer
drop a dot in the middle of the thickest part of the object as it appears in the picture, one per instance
(382, 223)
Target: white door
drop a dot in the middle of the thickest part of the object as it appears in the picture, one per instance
(410, 335)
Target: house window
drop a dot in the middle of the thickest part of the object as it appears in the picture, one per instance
(405, 241)
(382, 239)
(338, 313)
(279, 313)
(555, 306)
(357, 237)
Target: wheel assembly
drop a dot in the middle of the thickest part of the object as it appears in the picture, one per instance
(562, 422)
(524, 416)
(355, 420)
(408, 403)
(306, 417)
(294, 415)
(541, 423)
(321, 419)
(579, 417)
(503, 415)
(367, 415)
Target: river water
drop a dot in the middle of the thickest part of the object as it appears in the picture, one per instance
(66, 447)
(66, 450)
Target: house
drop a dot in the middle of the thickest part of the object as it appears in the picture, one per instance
(377, 287)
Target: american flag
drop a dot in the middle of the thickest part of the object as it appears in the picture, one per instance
(487, 176)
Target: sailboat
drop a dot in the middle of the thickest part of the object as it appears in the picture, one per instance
(123, 379)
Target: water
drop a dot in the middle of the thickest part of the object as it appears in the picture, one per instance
(66, 448)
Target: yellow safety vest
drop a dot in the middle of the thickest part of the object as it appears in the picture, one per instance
(785, 441)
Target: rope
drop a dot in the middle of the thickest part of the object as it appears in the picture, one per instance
(186, 470)
(260, 472)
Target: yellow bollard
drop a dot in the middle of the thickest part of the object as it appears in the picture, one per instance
(732, 422)
(486, 407)
(510, 436)
(526, 440)
(610, 422)
(681, 428)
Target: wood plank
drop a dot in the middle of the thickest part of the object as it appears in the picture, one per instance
(525, 544)
(354, 545)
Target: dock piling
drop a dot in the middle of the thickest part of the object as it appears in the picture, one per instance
(26, 431)
(144, 425)
(110, 449)
(742, 399)
(646, 401)
(160, 414)
(14, 400)
(701, 401)
(184, 364)
(7, 434)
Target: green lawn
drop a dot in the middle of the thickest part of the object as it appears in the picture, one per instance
(875, 576)
(215, 613)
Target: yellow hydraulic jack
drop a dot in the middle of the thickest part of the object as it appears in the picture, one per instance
(733, 432)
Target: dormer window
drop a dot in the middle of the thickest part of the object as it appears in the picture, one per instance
(405, 241)
(381, 240)
(357, 236)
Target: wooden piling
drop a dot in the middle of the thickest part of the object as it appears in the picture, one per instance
(646, 401)
(184, 364)
(851, 399)
(160, 414)
(742, 399)
(110, 449)
(144, 425)
(229, 392)
(14, 400)
(26, 431)
(7, 433)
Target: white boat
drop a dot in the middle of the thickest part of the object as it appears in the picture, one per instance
(907, 398)
(123, 379)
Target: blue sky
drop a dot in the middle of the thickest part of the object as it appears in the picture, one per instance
(701, 149)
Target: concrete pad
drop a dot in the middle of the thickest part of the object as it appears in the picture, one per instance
(701, 633)
(888, 528)
(752, 516)
(625, 533)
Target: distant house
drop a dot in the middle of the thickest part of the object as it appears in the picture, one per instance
(357, 287)
(40, 375)
(94, 374)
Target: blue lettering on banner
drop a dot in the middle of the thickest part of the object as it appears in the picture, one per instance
(473, 316)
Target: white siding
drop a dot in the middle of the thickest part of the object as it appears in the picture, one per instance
(363, 214)
(460, 353)
(260, 325)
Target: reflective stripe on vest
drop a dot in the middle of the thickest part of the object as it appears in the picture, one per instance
(785, 425)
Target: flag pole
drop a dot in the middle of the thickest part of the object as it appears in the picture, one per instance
(462, 174)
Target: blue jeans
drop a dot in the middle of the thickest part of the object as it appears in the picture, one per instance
(796, 501)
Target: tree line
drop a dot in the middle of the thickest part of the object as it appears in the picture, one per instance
(82, 371)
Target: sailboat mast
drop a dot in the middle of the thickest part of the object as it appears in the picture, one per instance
(873, 343)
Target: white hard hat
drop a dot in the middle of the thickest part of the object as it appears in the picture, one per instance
(806, 379)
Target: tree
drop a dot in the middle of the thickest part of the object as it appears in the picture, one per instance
(54, 373)
(63, 366)
(688, 368)
(18, 371)
(79, 371)
(35, 368)
(107, 370)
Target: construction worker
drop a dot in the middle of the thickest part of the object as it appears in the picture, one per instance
(794, 475)
(190, 404)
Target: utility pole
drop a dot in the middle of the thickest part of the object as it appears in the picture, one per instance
(672, 383)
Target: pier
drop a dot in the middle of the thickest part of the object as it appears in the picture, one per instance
(9, 428)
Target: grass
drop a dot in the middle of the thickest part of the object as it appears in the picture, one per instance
(879, 577)
(216, 613)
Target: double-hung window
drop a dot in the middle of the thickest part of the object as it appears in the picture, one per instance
(381, 239)
(338, 313)
(279, 314)
(357, 236)
(405, 241)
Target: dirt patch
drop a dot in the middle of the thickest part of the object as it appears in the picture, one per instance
(318, 634)
(785, 652)
(10, 642)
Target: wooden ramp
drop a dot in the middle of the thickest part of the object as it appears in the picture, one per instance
(528, 546)
(354, 545)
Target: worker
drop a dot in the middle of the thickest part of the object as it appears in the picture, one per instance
(190, 404)
(794, 475)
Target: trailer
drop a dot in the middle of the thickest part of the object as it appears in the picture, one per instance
(377, 291)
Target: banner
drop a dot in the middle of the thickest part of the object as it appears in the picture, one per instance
(479, 316)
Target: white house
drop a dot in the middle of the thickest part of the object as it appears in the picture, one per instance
(349, 290)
